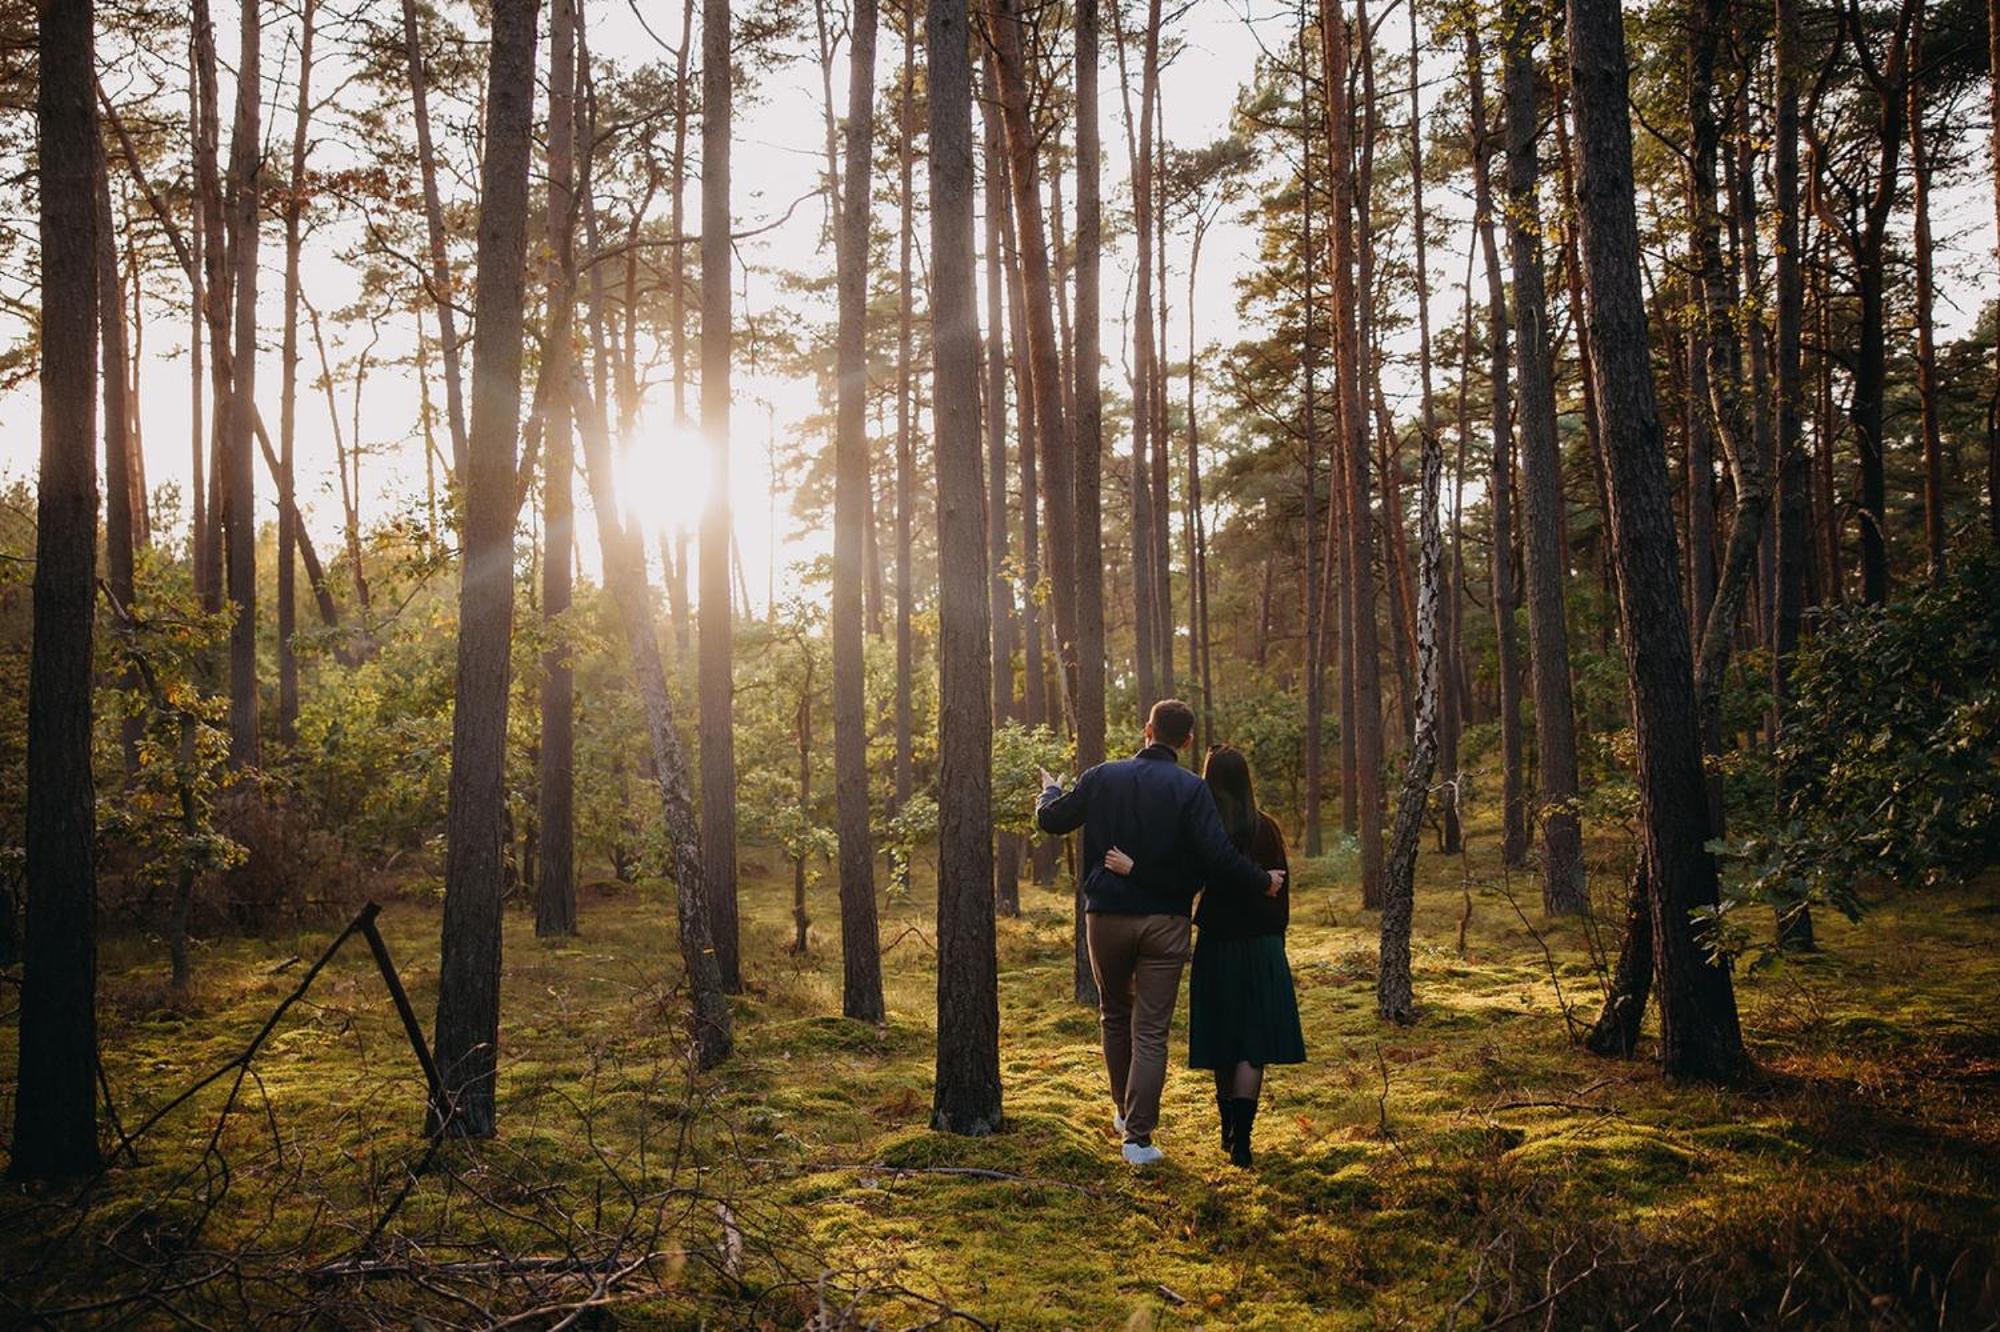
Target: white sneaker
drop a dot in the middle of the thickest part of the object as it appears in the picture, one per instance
(1118, 1123)
(1143, 1154)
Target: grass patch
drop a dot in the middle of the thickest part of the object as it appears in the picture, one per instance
(1475, 1162)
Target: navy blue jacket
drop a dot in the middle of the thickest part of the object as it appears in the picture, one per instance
(1162, 816)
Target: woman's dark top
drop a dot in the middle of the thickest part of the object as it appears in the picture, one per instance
(1230, 913)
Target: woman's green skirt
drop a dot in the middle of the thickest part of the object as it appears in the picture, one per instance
(1241, 1004)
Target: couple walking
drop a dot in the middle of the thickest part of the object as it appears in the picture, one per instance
(1155, 835)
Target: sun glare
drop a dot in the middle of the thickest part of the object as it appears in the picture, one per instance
(663, 478)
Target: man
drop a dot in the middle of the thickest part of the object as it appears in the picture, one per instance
(1137, 925)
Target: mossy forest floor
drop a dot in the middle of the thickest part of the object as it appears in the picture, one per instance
(1474, 1169)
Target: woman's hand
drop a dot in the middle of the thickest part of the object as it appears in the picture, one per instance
(1117, 862)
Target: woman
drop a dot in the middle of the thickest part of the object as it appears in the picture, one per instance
(1243, 1012)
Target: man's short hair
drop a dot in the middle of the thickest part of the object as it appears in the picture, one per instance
(1172, 722)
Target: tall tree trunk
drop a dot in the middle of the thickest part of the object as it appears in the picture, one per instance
(906, 449)
(1794, 557)
(1335, 39)
(967, 1097)
(860, 949)
(1889, 78)
(239, 515)
(717, 685)
(1993, 408)
(1145, 583)
(677, 585)
(55, 1100)
(468, 1014)
(1045, 365)
(1162, 506)
(1007, 862)
(1087, 475)
(123, 510)
(214, 295)
(1037, 708)
(1920, 244)
(296, 195)
(198, 556)
(555, 802)
(1699, 1035)
(441, 292)
(1717, 338)
(1394, 997)
(1500, 476)
(1563, 888)
(1313, 569)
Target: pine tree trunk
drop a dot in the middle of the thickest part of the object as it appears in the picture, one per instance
(296, 195)
(1354, 435)
(861, 959)
(1993, 409)
(55, 1097)
(1699, 1035)
(1794, 556)
(1140, 495)
(239, 514)
(677, 584)
(1007, 862)
(1394, 996)
(1087, 475)
(555, 805)
(1920, 244)
(716, 669)
(1500, 476)
(123, 511)
(468, 1015)
(1045, 365)
(906, 449)
(1564, 891)
(967, 1096)
(1313, 569)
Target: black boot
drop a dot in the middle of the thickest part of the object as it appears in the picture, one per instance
(1242, 1114)
(1226, 1111)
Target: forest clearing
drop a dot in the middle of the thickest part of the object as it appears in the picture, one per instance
(1476, 1165)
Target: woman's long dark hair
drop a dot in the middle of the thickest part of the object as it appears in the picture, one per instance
(1228, 776)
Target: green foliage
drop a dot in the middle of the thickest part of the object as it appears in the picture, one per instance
(1889, 765)
(1019, 754)
(161, 816)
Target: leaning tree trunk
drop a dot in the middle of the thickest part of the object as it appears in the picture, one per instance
(861, 961)
(555, 800)
(1699, 1034)
(468, 1014)
(967, 1098)
(716, 668)
(1563, 889)
(625, 578)
(55, 1094)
